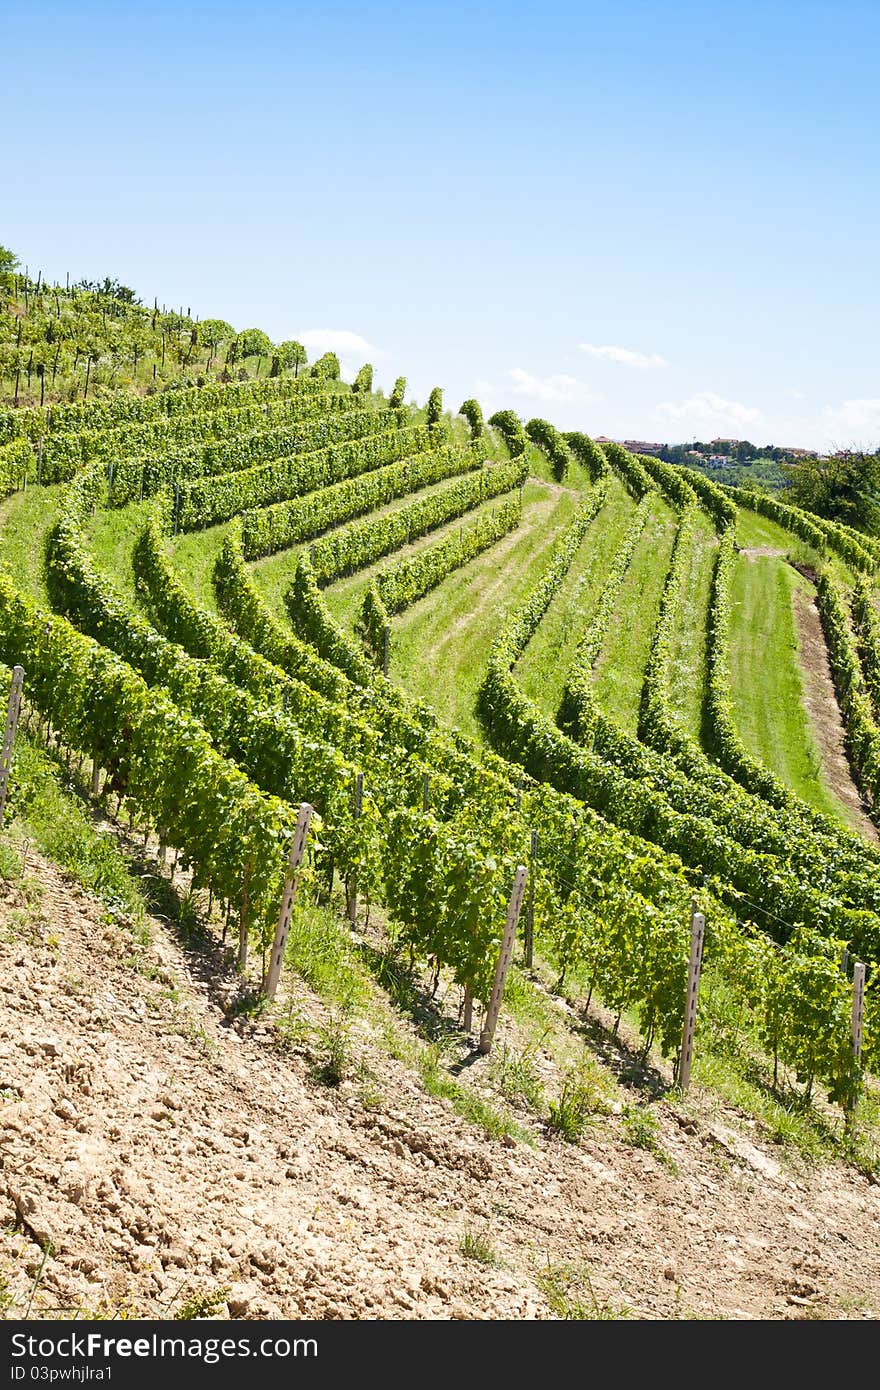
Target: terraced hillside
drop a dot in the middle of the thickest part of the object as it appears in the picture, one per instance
(468, 646)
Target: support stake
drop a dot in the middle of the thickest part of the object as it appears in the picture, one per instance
(297, 849)
(504, 955)
(9, 736)
(698, 928)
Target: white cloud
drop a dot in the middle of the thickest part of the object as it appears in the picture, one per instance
(340, 340)
(709, 411)
(351, 349)
(626, 357)
(548, 388)
(856, 422)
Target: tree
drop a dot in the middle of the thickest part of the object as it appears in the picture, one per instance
(253, 342)
(843, 487)
(292, 354)
(213, 332)
(8, 267)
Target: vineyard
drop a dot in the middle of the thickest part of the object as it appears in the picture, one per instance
(469, 645)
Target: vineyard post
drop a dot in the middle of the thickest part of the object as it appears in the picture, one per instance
(297, 849)
(467, 1021)
(243, 921)
(858, 1009)
(353, 884)
(9, 735)
(530, 903)
(96, 775)
(40, 460)
(698, 928)
(504, 956)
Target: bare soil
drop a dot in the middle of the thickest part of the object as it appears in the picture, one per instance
(153, 1151)
(821, 705)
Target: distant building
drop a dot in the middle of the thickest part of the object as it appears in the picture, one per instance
(718, 460)
(641, 446)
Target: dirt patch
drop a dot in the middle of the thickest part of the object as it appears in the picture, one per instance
(821, 705)
(158, 1153)
(756, 552)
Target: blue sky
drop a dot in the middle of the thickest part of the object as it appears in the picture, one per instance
(641, 220)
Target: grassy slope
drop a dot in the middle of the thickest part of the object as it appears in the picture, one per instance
(111, 537)
(273, 574)
(26, 518)
(765, 678)
(687, 663)
(193, 557)
(344, 598)
(441, 645)
(551, 651)
(620, 669)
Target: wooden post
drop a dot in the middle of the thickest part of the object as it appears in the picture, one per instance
(243, 922)
(858, 1008)
(467, 1021)
(297, 849)
(530, 903)
(386, 650)
(96, 776)
(844, 961)
(9, 735)
(353, 886)
(698, 928)
(504, 956)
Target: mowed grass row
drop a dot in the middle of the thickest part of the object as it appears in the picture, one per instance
(687, 661)
(440, 646)
(620, 669)
(273, 574)
(26, 518)
(545, 662)
(766, 685)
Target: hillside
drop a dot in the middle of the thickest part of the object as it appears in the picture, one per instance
(475, 648)
(180, 1165)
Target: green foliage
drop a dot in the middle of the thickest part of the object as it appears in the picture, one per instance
(843, 487)
(476, 1246)
(363, 382)
(266, 530)
(573, 1109)
(471, 411)
(434, 408)
(551, 443)
(587, 452)
(292, 354)
(413, 577)
(862, 730)
(327, 367)
(509, 426)
(351, 547)
(395, 400)
(251, 342)
(366, 440)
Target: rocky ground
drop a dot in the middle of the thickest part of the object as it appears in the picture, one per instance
(159, 1161)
